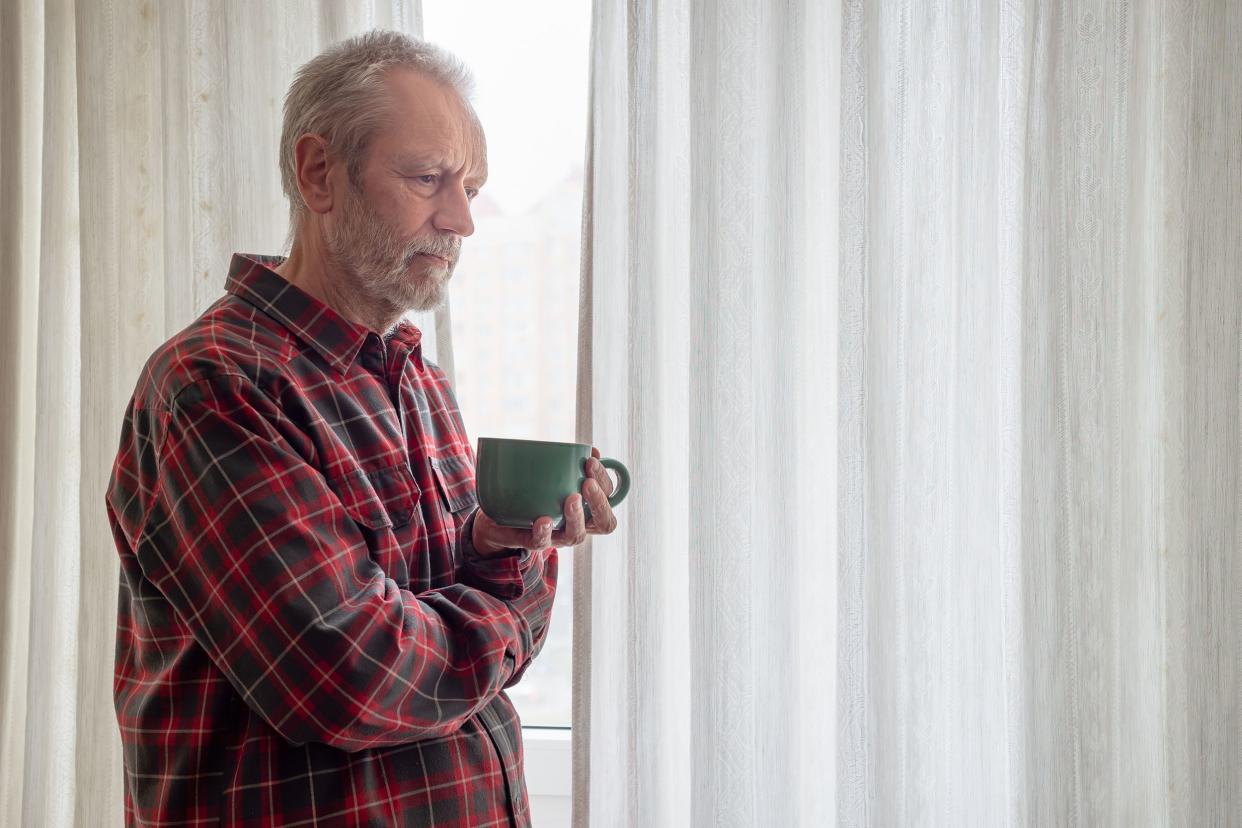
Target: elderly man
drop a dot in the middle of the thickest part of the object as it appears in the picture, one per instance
(316, 623)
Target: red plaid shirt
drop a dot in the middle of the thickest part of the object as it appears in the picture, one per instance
(305, 635)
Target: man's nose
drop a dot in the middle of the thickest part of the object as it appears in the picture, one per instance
(453, 213)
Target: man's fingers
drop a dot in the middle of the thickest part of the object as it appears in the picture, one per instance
(540, 535)
(574, 531)
(597, 472)
(536, 537)
(602, 519)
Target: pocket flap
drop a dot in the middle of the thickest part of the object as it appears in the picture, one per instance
(378, 499)
(455, 474)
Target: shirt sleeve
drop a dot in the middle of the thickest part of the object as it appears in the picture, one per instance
(262, 563)
(511, 574)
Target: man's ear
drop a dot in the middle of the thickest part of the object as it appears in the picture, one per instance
(314, 162)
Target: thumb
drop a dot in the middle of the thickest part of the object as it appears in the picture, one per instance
(491, 537)
(541, 534)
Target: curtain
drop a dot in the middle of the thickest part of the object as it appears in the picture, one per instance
(1041, 463)
(139, 150)
(704, 626)
(937, 467)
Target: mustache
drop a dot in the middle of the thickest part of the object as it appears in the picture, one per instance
(445, 248)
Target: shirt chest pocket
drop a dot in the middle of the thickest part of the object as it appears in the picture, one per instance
(384, 505)
(455, 476)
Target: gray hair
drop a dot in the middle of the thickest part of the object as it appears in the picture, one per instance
(339, 95)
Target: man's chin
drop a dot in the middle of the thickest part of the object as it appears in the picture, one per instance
(423, 301)
(419, 288)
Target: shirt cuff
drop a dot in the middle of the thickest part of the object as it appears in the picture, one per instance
(500, 574)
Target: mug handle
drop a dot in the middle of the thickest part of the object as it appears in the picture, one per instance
(623, 484)
(623, 479)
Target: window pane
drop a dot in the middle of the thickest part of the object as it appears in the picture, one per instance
(515, 290)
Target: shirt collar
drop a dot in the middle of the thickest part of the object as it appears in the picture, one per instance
(252, 277)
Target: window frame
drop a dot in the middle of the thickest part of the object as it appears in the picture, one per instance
(548, 760)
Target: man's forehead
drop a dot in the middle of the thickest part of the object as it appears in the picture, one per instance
(430, 124)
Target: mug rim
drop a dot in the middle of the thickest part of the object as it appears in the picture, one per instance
(535, 442)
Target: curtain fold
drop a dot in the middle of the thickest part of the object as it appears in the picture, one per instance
(139, 151)
(704, 626)
(947, 532)
(1044, 513)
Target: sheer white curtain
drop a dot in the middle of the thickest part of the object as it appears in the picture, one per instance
(704, 627)
(138, 152)
(936, 522)
(1041, 610)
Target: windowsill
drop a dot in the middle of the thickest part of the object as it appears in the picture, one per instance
(548, 765)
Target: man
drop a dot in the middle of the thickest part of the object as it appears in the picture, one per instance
(316, 623)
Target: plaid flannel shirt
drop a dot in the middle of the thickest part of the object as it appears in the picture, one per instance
(305, 635)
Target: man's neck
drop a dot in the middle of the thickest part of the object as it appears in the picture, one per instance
(306, 268)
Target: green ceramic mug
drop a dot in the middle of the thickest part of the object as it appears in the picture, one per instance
(520, 481)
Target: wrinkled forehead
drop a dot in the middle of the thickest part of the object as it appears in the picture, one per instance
(428, 120)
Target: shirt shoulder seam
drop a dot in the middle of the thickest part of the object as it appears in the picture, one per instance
(173, 401)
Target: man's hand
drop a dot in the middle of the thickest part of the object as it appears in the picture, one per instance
(491, 538)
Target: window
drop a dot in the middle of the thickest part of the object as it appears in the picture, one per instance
(515, 291)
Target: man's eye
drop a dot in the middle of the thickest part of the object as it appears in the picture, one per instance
(426, 179)
(471, 193)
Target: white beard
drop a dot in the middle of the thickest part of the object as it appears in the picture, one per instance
(388, 271)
